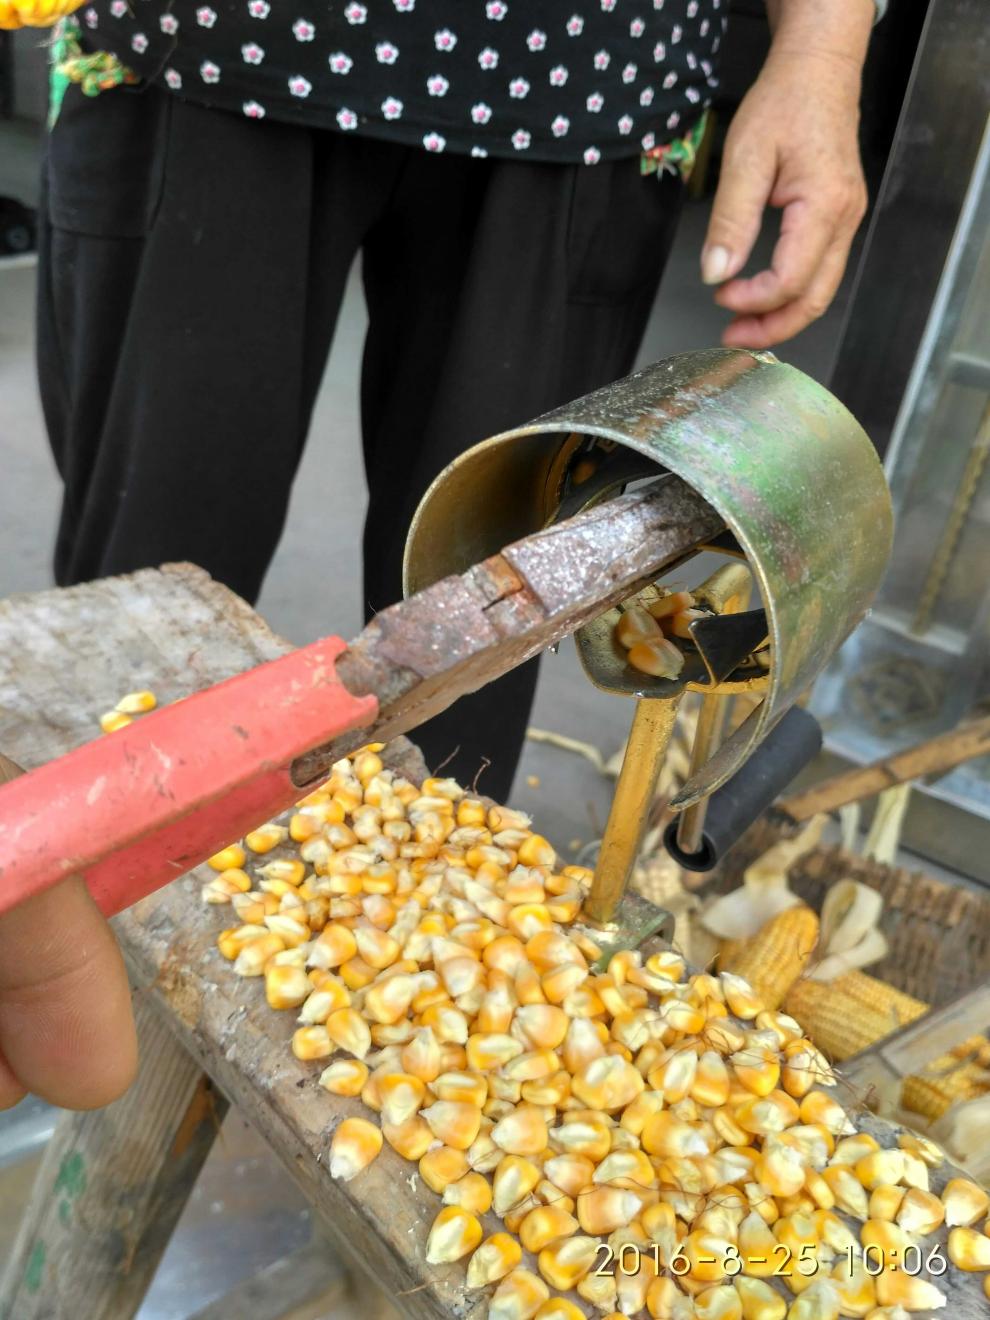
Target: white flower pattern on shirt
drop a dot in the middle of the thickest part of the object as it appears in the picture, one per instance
(577, 86)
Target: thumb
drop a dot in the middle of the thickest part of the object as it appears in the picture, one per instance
(743, 192)
(66, 1031)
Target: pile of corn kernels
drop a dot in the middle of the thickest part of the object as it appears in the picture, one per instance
(649, 1139)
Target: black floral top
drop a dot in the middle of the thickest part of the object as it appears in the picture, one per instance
(578, 80)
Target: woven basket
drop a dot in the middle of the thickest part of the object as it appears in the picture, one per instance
(939, 934)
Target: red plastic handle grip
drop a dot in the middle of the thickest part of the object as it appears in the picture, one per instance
(133, 810)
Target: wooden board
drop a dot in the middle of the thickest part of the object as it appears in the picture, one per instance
(64, 658)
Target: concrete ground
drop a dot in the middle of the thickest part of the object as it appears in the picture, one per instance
(310, 591)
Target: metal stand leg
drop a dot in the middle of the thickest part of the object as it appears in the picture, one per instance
(652, 727)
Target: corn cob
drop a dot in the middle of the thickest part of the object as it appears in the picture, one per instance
(644, 1107)
(853, 1012)
(776, 956)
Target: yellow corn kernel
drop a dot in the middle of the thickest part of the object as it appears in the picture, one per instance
(454, 1234)
(671, 1137)
(286, 987)
(601, 1210)
(919, 1212)
(356, 1142)
(387, 1000)
(513, 1218)
(356, 974)
(719, 1303)
(334, 946)
(656, 656)
(565, 1263)
(464, 1086)
(349, 1031)
(534, 1065)
(490, 1051)
(848, 1191)
(528, 919)
(544, 1026)
(137, 703)
(376, 947)
(473, 1193)
(550, 1091)
(817, 1107)
(546, 1224)
(230, 858)
(345, 1077)
(232, 940)
(710, 1085)
(607, 1083)
(665, 1301)
(763, 1115)
(560, 982)
(819, 1301)
(757, 1070)
(856, 1288)
(895, 1288)
(923, 1147)
(964, 1203)
(969, 1249)
(113, 720)
(536, 851)
(310, 1043)
(518, 1297)
(423, 1056)
(885, 1202)
(265, 838)
(571, 1173)
(850, 1150)
(401, 1096)
(303, 826)
(880, 1167)
(442, 1165)
(559, 1308)
(412, 1139)
(757, 1247)
(759, 1301)
(255, 954)
(493, 1260)
(454, 1122)
(323, 1001)
(521, 1132)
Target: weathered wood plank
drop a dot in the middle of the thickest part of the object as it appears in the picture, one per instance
(111, 1187)
(175, 631)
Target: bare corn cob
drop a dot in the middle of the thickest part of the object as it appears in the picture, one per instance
(776, 956)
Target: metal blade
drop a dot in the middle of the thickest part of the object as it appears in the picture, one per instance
(420, 655)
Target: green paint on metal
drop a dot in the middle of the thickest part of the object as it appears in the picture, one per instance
(71, 1176)
(35, 1268)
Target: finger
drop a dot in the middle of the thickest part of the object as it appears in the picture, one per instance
(744, 188)
(66, 1029)
(806, 234)
(11, 1091)
(763, 331)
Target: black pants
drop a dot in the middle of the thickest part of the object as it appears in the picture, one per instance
(192, 269)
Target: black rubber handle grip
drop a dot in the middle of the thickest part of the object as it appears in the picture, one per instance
(795, 740)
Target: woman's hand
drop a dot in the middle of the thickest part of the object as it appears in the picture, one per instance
(66, 1031)
(793, 144)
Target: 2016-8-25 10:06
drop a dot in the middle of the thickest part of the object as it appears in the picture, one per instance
(630, 1258)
